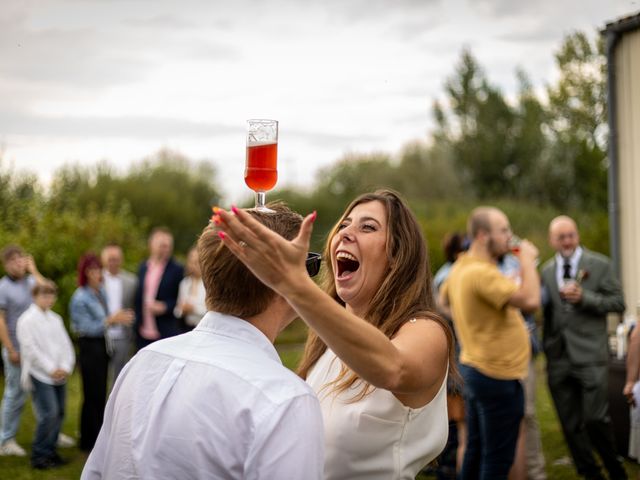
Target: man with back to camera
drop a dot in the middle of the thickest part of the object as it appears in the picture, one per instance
(495, 349)
(216, 402)
(579, 290)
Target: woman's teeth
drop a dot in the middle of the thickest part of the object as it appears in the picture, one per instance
(347, 264)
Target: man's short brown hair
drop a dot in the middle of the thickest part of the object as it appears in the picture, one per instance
(10, 251)
(160, 229)
(47, 286)
(480, 221)
(231, 288)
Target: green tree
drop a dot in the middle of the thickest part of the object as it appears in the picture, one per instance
(479, 131)
(19, 192)
(165, 189)
(425, 173)
(356, 173)
(529, 143)
(551, 151)
(57, 237)
(577, 166)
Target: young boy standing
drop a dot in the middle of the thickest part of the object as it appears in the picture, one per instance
(47, 360)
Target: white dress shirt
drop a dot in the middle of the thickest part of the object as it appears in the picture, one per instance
(191, 291)
(114, 289)
(215, 403)
(574, 260)
(45, 346)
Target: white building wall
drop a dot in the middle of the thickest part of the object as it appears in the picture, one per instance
(627, 61)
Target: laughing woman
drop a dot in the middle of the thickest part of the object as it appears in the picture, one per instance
(377, 356)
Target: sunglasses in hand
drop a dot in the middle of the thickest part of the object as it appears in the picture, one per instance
(313, 263)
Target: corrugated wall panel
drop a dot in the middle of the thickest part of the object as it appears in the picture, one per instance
(628, 91)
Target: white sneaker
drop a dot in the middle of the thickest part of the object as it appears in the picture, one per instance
(10, 447)
(65, 441)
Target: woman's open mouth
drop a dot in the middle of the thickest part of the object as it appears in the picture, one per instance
(346, 264)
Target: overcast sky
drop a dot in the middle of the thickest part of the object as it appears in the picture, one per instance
(86, 80)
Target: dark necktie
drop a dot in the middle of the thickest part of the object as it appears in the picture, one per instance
(567, 271)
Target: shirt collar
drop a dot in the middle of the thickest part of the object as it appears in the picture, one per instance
(91, 292)
(108, 274)
(151, 263)
(573, 259)
(38, 309)
(16, 279)
(239, 329)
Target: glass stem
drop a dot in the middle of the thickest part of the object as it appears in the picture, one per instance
(260, 199)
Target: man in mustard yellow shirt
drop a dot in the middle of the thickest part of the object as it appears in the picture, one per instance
(495, 348)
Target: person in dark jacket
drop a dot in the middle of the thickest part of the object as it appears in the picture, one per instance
(158, 285)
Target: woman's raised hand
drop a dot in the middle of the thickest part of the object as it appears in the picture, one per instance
(277, 262)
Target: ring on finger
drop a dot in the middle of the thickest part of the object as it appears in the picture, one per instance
(242, 243)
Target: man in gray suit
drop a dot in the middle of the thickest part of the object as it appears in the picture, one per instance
(120, 287)
(579, 290)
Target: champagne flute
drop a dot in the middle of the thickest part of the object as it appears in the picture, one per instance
(261, 168)
(514, 244)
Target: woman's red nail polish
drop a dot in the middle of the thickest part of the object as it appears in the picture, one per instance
(234, 209)
(222, 235)
(314, 215)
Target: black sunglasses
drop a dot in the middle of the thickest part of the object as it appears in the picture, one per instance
(313, 263)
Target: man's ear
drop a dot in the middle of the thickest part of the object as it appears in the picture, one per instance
(482, 237)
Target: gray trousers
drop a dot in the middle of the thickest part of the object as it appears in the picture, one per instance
(120, 355)
(581, 399)
(535, 457)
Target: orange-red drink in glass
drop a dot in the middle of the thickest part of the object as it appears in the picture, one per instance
(514, 244)
(261, 172)
(261, 167)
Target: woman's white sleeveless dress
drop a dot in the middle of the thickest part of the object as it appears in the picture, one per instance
(377, 437)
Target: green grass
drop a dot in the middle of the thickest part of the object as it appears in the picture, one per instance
(15, 468)
(554, 447)
(553, 444)
(18, 468)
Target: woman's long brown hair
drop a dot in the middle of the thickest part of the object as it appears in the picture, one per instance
(405, 292)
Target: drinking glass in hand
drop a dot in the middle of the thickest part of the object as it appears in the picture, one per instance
(566, 283)
(261, 170)
(514, 244)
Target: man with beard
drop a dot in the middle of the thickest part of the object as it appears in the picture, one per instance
(495, 349)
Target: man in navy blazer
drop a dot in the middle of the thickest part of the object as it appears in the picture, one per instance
(158, 283)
